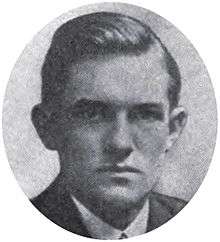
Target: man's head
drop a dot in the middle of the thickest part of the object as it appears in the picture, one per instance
(110, 92)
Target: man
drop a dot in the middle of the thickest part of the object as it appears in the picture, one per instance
(110, 92)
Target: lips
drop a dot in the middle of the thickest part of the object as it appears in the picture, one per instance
(118, 169)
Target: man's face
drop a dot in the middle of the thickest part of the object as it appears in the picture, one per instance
(114, 125)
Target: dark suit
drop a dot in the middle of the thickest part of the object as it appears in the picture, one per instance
(57, 205)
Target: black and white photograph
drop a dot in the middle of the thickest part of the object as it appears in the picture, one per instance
(109, 121)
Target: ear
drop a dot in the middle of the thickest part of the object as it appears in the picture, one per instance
(41, 122)
(178, 118)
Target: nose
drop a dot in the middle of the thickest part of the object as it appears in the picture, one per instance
(119, 142)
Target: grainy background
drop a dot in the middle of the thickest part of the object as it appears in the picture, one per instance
(35, 167)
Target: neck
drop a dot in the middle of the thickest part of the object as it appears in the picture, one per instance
(118, 214)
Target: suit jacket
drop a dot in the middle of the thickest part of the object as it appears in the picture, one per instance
(57, 205)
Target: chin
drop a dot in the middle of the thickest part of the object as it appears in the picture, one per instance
(122, 197)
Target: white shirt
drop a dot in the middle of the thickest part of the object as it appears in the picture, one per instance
(99, 229)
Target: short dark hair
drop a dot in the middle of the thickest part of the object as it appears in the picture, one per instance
(100, 34)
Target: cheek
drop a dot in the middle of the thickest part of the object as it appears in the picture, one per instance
(79, 155)
(82, 143)
(151, 140)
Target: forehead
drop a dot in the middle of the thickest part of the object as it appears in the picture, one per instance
(128, 79)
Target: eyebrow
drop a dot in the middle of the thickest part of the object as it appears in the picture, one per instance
(151, 106)
(155, 109)
(159, 107)
(84, 102)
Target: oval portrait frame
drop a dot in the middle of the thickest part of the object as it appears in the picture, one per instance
(186, 164)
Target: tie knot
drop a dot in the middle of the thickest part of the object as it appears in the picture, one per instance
(123, 236)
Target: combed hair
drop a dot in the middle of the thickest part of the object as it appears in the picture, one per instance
(99, 34)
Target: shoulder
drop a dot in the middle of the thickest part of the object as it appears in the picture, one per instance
(163, 208)
(57, 205)
(51, 200)
(173, 204)
(45, 199)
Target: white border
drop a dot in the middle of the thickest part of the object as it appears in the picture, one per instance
(19, 22)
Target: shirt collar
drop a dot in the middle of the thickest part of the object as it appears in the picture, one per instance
(101, 230)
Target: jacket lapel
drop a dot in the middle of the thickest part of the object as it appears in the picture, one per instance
(57, 205)
(161, 210)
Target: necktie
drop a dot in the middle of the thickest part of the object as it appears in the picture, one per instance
(123, 236)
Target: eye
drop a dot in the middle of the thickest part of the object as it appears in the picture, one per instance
(146, 114)
(137, 115)
(89, 112)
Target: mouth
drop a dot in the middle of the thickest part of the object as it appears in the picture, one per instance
(118, 169)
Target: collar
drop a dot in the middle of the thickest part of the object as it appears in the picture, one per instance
(101, 230)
